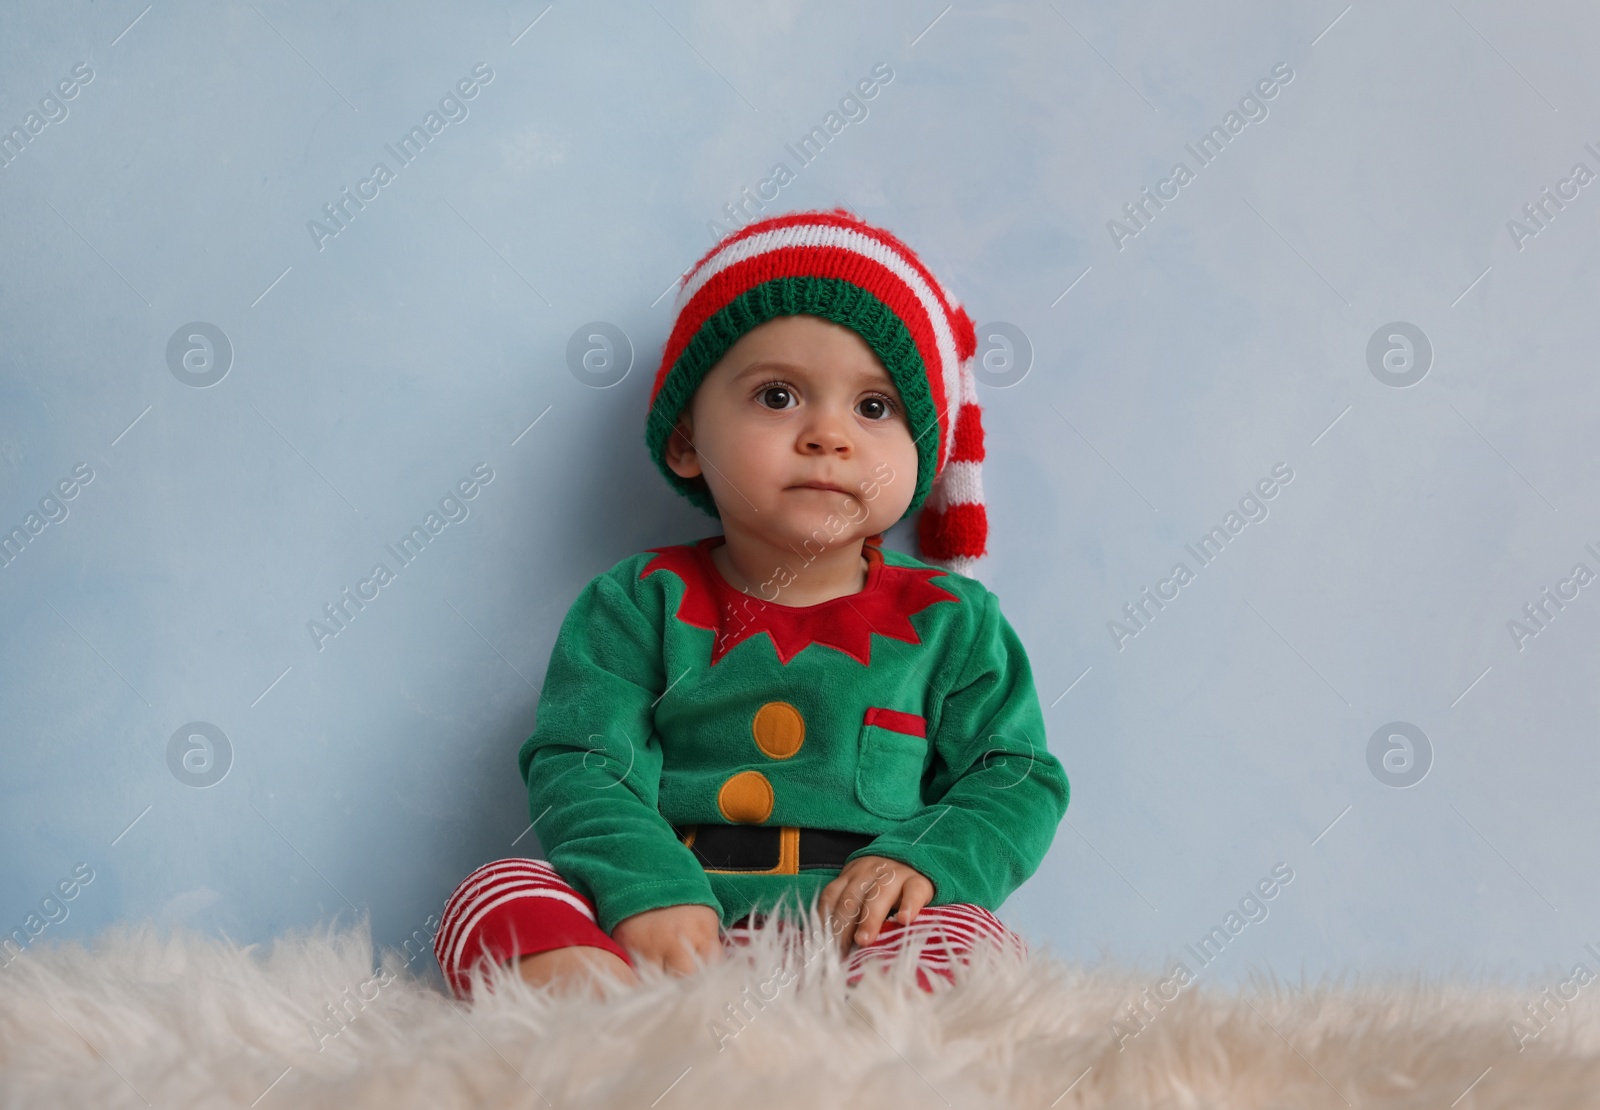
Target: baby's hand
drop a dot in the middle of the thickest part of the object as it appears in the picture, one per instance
(864, 892)
(667, 937)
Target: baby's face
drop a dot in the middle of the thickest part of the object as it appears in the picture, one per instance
(796, 402)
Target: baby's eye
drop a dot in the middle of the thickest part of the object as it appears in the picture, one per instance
(775, 389)
(878, 407)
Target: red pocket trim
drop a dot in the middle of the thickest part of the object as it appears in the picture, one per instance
(892, 719)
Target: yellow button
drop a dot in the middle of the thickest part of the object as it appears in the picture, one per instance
(779, 729)
(746, 798)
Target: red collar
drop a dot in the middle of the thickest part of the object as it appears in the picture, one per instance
(884, 606)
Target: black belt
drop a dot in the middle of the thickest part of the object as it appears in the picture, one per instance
(770, 849)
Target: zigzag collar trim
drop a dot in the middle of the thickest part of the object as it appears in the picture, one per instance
(891, 595)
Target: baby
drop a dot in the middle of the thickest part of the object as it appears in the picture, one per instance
(787, 715)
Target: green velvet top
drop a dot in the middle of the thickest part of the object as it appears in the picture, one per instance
(906, 711)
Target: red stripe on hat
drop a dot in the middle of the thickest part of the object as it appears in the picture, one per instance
(966, 333)
(968, 446)
(960, 531)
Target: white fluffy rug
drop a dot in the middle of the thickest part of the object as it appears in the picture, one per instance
(185, 1020)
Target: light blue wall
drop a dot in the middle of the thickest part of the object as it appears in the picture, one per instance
(370, 374)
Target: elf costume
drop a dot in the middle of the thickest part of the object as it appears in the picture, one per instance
(699, 745)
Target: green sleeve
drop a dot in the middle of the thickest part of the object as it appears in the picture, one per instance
(999, 794)
(593, 763)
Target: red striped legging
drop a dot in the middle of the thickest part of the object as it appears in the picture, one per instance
(518, 907)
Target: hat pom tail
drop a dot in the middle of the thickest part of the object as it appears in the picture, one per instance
(953, 526)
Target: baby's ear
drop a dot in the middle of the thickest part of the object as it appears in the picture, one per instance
(679, 451)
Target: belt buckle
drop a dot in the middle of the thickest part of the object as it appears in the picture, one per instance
(796, 852)
(726, 847)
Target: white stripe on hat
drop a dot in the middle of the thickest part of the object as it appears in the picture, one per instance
(961, 483)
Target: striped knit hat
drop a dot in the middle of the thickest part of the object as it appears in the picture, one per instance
(836, 266)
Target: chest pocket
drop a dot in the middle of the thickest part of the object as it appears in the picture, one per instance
(894, 753)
